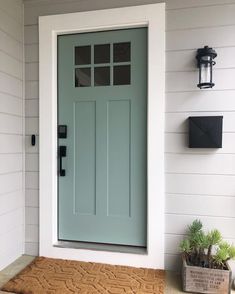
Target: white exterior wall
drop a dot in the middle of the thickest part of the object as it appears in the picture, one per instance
(11, 132)
(199, 183)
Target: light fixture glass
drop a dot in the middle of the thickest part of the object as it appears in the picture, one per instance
(205, 62)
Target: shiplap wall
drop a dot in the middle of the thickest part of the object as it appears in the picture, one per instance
(11, 131)
(199, 183)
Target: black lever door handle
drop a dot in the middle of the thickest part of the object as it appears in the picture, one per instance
(62, 153)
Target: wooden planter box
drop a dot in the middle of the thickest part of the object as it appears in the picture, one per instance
(204, 280)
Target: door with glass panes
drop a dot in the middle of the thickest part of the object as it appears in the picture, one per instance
(102, 123)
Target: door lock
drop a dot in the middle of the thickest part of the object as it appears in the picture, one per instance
(62, 131)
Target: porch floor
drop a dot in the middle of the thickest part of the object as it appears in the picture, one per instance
(173, 285)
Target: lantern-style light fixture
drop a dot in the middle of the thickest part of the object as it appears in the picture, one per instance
(205, 62)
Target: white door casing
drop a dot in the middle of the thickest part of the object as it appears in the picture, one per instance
(151, 16)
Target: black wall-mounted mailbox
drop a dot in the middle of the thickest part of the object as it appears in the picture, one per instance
(205, 131)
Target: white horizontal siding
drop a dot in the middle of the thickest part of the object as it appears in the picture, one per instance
(210, 163)
(31, 53)
(220, 206)
(11, 201)
(31, 126)
(178, 122)
(192, 175)
(175, 224)
(32, 162)
(31, 90)
(10, 104)
(201, 184)
(214, 101)
(14, 9)
(187, 18)
(184, 60)
(178, 4)
(11, 163)
(11, 46)
(31, 234)
(11, 246)
(10, 26)
(31, 179)
(31, 216)
(10, 85)
(31, 108)
(31, 71)
(177, 143)
(10, 65)
(11, 143)
(32, 198)
(11, 182)
(11, 131)
(172, 242)
(11, 220)
(10, 241)
(31, 34)
(187, 81)
(10, 124)
(215, 36)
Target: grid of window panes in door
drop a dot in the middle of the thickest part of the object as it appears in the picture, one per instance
(103, 65)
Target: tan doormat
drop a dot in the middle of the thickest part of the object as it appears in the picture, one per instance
(47, 275)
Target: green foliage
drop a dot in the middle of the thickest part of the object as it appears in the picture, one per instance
(195, 227)
(185, 246)
(224, 252)
(214, 237)
(221, 256)
(199, 240)
(223, 245)
(232, 252)
(198, 246)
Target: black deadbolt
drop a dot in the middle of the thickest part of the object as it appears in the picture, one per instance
(62, 131)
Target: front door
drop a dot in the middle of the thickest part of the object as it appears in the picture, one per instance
(102, 122)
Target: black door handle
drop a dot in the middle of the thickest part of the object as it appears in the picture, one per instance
(62, 153)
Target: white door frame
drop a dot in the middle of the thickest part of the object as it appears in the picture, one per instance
(153, 17)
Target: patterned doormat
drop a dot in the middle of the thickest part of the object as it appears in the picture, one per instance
(47, 275)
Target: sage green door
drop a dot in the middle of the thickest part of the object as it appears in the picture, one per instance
(102, 99)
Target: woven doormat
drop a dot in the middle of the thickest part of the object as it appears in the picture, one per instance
(47, 275)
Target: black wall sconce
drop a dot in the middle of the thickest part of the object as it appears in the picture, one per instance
(205, 62)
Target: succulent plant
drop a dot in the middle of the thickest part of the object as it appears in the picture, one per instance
(185, 246)
(195, 227)
(214, 238)
(197, 247)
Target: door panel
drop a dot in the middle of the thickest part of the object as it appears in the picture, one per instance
(118, 148)
(102, 86)
(84, 157)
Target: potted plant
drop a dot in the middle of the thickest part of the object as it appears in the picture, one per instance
(205, 261)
